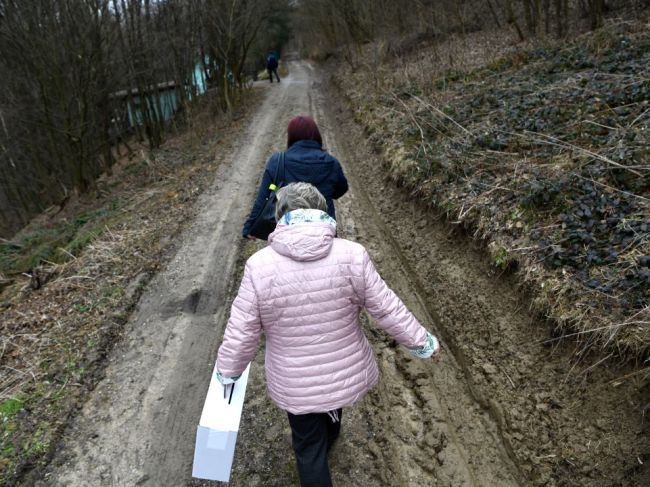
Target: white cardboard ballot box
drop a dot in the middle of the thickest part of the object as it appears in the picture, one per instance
(216, 434)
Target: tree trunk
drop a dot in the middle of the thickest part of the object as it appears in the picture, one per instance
(510, 19)
(596, 9)
(493, 12)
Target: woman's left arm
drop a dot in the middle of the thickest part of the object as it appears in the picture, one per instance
(341, 184)
(242, 332)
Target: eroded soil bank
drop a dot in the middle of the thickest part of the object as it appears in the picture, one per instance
(564, 419)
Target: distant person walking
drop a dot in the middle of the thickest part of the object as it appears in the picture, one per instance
(305, 292)
(306, 161)
(272, 67)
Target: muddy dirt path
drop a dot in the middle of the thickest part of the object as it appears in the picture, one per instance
(138, 428)
(491, 413)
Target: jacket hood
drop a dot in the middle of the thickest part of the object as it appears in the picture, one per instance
(303, 242)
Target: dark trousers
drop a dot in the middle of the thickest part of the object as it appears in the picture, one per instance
(313, 435)
(271, 71)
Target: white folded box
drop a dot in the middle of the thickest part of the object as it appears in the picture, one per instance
(216, 434)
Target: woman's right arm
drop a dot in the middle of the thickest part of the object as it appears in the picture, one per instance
(242, 333)
(262, 193)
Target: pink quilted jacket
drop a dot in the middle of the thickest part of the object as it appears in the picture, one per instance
(305, 292)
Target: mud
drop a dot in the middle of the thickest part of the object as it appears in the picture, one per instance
(501, 408)
(565, 416)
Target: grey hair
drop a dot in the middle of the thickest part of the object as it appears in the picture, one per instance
(296, 196)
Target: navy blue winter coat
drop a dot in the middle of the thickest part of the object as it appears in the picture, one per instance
(271, 62)
(304, 162)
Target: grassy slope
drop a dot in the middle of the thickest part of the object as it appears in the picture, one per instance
(94, 261)
(544, 152)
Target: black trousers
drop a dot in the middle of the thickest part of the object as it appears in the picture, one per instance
(271, 71)
(313, 435)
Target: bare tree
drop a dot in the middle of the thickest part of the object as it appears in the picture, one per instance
(77, 73)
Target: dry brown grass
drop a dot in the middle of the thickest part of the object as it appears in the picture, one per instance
(54, 339)
(419, 109)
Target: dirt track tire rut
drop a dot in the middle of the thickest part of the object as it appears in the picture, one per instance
(139, 425)
(447, 436)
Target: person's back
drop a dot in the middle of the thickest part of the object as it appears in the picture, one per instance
(305, 292)
(272, 67)
(312, 289)
(304, 161)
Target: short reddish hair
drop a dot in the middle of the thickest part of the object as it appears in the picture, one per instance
(303, 128)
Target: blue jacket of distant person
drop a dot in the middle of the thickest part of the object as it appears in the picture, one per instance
(271, 62)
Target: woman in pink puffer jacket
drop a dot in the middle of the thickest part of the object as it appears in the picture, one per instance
(305, 292)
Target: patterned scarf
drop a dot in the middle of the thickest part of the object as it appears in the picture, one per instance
(305, 216)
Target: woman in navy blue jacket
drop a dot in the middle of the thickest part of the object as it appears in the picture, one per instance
(304, 161)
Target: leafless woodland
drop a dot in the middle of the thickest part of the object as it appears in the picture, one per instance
(68, 68)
